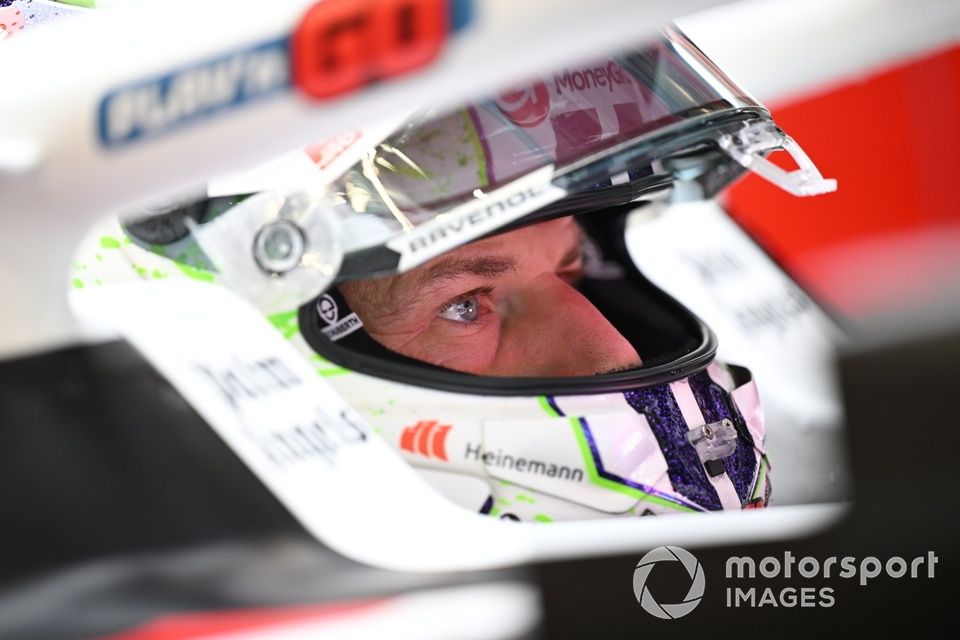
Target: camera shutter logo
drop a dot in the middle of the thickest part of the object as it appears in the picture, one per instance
(694, 594)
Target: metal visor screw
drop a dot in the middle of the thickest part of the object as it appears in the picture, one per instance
(279, 246)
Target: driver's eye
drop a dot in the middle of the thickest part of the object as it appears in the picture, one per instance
(463, 310)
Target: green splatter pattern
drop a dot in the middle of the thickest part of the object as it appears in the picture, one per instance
(109, 242)
(200, 275)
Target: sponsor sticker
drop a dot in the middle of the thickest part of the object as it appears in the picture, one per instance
(342, 45)
(427, 438)
(473, 219)
(526, 106)
(338, 46)
(521, 463)
(158, 105)
(258, 390)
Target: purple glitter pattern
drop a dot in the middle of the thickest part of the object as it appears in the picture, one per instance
(716, 405)
(603, 473)
(615, 478)
(684, 468)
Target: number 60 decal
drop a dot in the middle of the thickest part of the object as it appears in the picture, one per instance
(342, 45)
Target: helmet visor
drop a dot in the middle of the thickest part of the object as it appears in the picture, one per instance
(444, 178)
(577, 139)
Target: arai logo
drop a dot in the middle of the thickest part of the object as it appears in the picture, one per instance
(337, 327)
(327, 309)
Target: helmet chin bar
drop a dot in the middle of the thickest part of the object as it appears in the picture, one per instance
(748, 145)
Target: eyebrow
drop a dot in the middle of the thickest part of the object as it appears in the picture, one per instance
(456, 267)
(424, 280)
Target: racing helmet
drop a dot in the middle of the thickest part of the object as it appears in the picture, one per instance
(677, 431)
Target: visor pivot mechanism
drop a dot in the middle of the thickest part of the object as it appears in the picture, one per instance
(749, 146)
(713, 441)
(279, 246)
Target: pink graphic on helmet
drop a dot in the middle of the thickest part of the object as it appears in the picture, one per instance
(11, 21)
(526, 106)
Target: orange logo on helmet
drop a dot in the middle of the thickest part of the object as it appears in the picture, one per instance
(426, 438)
(342, 45)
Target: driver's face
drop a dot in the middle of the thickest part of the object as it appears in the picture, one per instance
(503, 306)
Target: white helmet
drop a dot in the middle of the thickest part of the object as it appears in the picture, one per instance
(564, 435)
